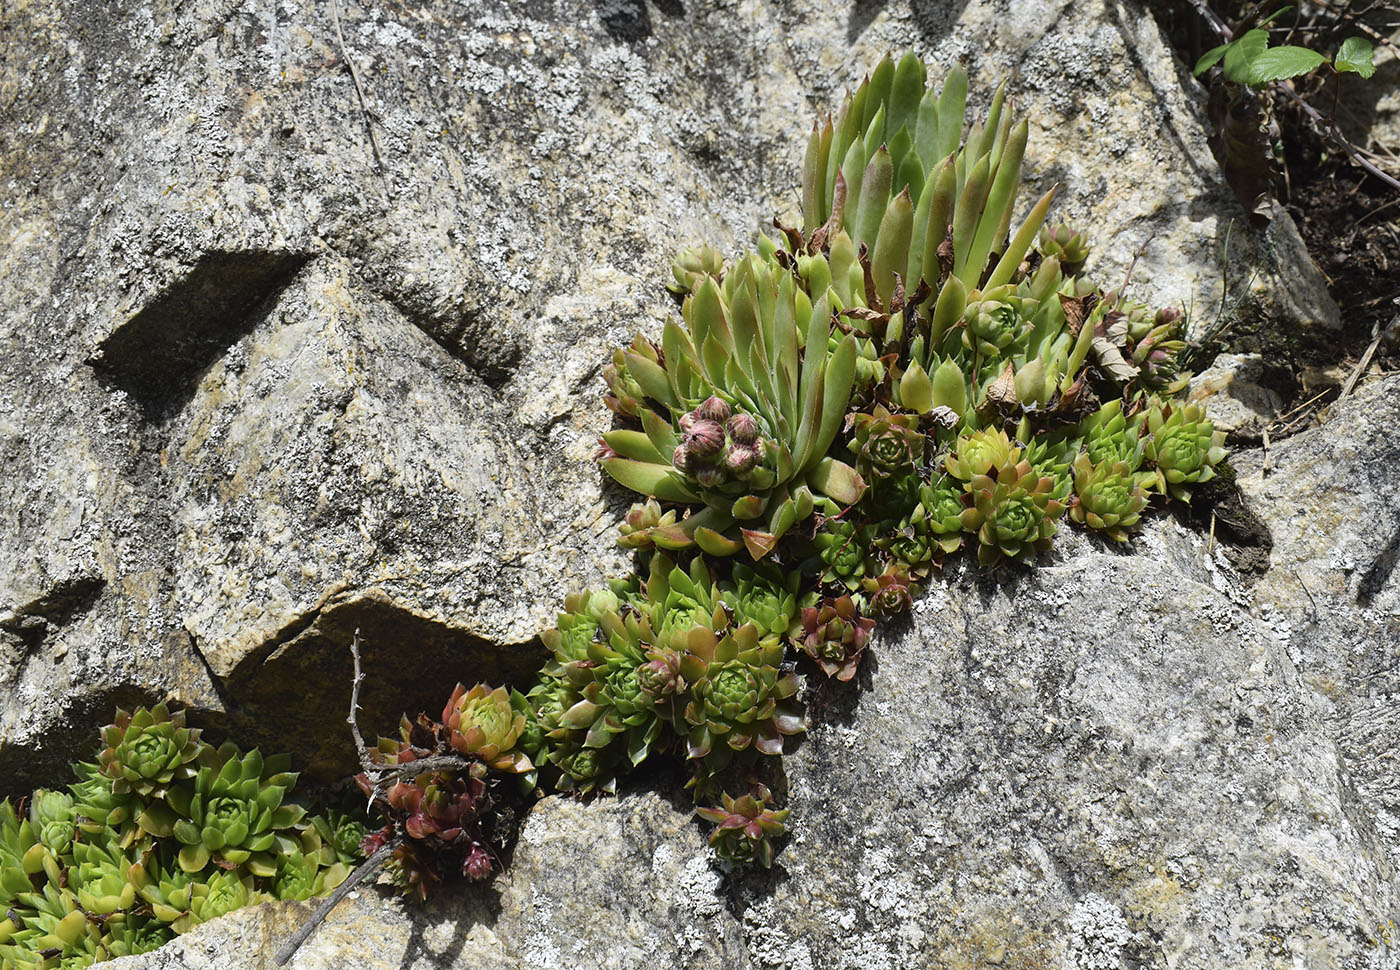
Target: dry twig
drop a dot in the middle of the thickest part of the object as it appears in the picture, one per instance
(359, 88)
(365, 869)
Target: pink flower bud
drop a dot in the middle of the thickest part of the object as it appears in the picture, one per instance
(713, 409)
(739, 459)
(1168, 314)
(477, 864)
(743, 429)
(705, 439)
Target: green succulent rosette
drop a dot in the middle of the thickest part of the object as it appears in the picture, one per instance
(1066, 245)
(149, 751)
(130, 935)
(21, 854)
(487, 723)
(51, 814)
(96, 808)
(584, 770)
(642, 520)
(739, 700)
(1106, 497)
(1109, 437)
(577, 626)
(980, 453)
(765, 597)
(745, 827)
(995, 320)
(1184, 448)
(99, 877)
(611, 707)
(232, 813)
(693, 264)
(747, 399)
(844, 550)
(835, 635)
(890, 593)
(301, 875)
(1013, 513)
(339, 835)
(886, 444)
(940, 502)
(48, 928)
(1052, 457)
(222, 892)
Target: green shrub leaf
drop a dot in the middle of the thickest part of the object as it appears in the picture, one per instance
(1278, 63)
(1210, 58)
(1355, 56)
(1241, 52)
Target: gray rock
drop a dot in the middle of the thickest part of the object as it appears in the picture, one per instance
(276, 369)
(1233, 392)
(1332, 594)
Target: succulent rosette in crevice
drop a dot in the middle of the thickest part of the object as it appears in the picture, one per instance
(739, 700)
(746, 826)
(1183, 446)
(835, 635)
(95, 872)
(1107, 497)
(233, 811)
(149, 751)
(746, 401)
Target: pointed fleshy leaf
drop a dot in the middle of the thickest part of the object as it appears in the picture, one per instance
(650, 377)
(634, 445)
(716, 544)
(967, 216)
(881, 83)
(1001, 199)
(853, 174)
(748, 507)
(874, 198)
(659, 433)
(916, 389)
(659, 481)
(837, 480)
(1021, 243)
(836, 396)
(952, 301)
(891, 253)
(906, 91)
(952, 106)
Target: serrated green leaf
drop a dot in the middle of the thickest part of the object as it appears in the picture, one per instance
(1356, 57)
(1241, 52)
(1209, 59)
(1280, 63)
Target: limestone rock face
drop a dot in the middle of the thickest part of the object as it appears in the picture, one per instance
(278, 366)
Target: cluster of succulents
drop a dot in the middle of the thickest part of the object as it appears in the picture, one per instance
(439, 819)
(909, 376)
(160, 833)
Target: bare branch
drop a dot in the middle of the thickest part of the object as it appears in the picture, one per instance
(369, 767)
(1334, 133)
(359, 90)
(365, 869)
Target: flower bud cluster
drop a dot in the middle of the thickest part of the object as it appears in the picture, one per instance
(717, 444)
